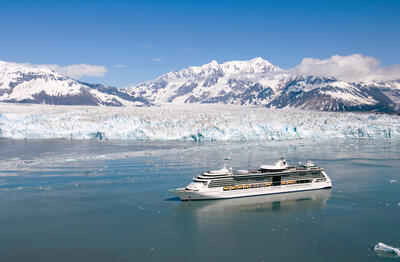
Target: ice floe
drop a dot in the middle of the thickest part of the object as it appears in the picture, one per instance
(386, 248)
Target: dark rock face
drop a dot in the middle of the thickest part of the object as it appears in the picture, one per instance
(117, 92)
(84, 98)
(183, 90)
(329, 97)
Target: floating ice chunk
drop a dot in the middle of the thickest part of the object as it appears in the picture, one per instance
(385, 248)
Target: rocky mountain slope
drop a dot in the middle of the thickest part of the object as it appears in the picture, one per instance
(259, 83)
(28, 84)
(254, 82)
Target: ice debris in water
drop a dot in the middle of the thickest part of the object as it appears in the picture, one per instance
(385, 248)
(194, 122)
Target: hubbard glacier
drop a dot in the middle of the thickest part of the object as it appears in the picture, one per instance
(197, 122)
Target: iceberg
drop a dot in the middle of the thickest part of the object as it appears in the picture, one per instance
(204, 122)
(385, 248)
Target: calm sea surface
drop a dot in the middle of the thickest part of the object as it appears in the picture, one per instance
(108, 201)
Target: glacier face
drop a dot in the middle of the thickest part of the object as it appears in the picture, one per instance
(194, 122)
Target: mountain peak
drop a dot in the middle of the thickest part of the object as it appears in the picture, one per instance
(253, 66)
(13, 68)
(212, 64)
(258, 82)
(259, 60)
(26, 83)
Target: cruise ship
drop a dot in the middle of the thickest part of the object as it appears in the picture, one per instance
(268, 179)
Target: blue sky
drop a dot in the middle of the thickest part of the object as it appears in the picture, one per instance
(149, 38)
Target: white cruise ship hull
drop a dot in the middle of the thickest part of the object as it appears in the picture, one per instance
(219, 193)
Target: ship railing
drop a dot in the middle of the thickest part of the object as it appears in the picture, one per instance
(273, 184)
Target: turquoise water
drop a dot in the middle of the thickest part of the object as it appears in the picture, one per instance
(66, 200)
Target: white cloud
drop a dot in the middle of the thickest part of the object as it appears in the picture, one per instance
(78, 70)
(354, 67)
(120, 66)
(157, 59)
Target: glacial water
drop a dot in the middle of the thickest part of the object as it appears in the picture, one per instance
(65, 200)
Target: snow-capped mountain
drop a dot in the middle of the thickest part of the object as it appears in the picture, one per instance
(29, 84)
(236, 82)
(257, 82)
(254, 82)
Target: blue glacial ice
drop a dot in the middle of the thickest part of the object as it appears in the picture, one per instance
(189, 122)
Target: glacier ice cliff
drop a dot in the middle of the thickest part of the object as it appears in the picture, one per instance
(189, 122)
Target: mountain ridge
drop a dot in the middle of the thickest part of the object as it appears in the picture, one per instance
(255, 82)
(22, 83)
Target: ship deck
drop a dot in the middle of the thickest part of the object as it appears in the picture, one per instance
(259, 172)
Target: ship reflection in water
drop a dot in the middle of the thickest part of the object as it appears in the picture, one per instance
(306, 200)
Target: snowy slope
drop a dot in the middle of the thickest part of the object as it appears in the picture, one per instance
(197, 122)
(29, 84)
(236, 82)
(254, 82)
(258, 82)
